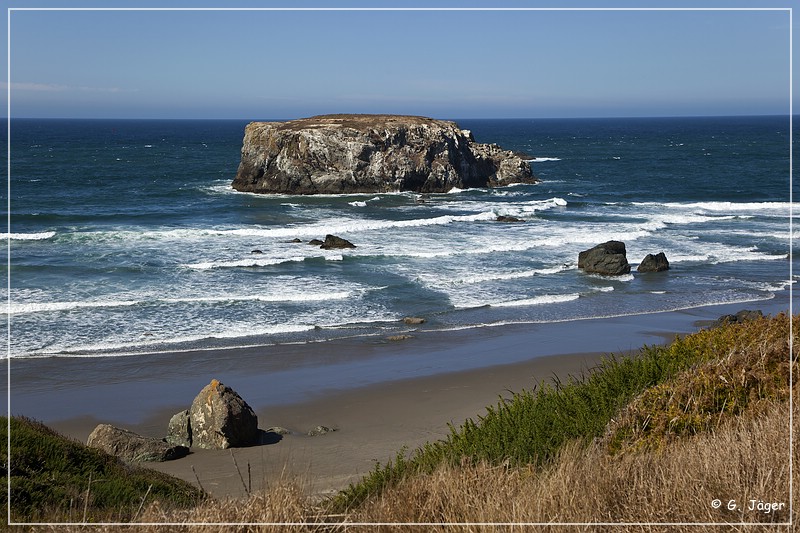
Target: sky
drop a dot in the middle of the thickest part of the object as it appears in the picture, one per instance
(266, 64)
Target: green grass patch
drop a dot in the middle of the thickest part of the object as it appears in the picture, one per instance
(532, 426)
(751, 368)
(56, 479)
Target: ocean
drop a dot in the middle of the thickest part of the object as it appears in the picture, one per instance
(126, 237)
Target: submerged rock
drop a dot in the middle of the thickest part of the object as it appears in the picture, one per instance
(607, 259)
(508, 218)
(333, 242)
(133, 447)
(654, 263)
(220, 418)
(413, 320)
(338, 154)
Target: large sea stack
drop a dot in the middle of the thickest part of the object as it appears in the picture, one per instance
(340, 154)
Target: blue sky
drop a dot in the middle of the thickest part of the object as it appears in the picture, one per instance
(446, 64)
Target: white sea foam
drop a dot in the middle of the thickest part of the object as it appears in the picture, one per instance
(538, 300)
(358, 204)
(607, 288)
(90, 350)
(28, 236)
(543, 159)
(716, 253)
(622, 277)
(278, 297)
(725, 207)
(243, 263)
(46, 307)
(503, 276)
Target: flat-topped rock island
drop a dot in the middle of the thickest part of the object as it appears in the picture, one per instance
(342, 154)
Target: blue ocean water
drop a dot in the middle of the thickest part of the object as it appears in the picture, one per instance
(127, 238)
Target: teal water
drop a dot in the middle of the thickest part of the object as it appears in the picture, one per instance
(126, 237)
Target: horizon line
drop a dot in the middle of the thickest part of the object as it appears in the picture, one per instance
(284, 119)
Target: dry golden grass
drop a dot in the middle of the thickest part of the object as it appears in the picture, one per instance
(746, 459)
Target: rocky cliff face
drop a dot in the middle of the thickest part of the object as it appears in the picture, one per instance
(337, 154)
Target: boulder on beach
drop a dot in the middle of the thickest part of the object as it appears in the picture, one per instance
(353, 153)
(133, 447)
(320, 430)
(607, 259)
(332, 242)
(179, 430)
(654, 263)
(744, 315)
(220, 418)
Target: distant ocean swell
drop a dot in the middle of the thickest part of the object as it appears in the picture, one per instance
(192, 264)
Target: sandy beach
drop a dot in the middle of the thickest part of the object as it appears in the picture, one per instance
(379, 395)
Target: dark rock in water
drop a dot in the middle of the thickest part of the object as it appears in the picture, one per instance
(315, 242)
(413, 320)
(220, 419)
(744, 315)
(654, 263)
(130, 446)
(340, 154)
(256, 252)
(295, 241)
(333, 242)
(607, 259)
(508, 218)
(320, 430)
(179, 430)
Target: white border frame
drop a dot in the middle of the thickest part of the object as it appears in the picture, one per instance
(10, 10)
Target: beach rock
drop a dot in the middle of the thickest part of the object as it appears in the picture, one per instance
(320, 430)
(654, 263)
(220, 419)
(179, 430)
(133, 447)
(413, 320)
(397, 338)
(508, 218)
(744, 315)
(333, 242)
(340, 154)
(315, 242)
(607, 259)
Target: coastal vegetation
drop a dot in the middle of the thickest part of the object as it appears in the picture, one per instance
(697, 431)
(56, 479)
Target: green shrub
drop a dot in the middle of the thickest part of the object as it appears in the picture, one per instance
(56, 479)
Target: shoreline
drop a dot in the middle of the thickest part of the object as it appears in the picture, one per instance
(379, 395)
